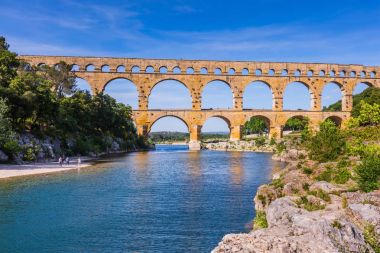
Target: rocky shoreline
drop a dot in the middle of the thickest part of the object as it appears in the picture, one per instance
(243, 145)
(296, 212)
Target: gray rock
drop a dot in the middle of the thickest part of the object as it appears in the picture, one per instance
(3, 156)
(325, 186)
(292, 229)
(364, 214)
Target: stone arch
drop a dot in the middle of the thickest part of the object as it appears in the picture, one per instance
(183, 94)
(90, 67)
(360, 86)
(217, 92)
(120, 69)
(203, 71)
(254, 84)
(163, 70)
(176, 70)
(210, 119)
(123, 90)
(267, 121)
(336, 119)
(83, 84)
(326, 98)
(105, 68)
(150, 125)
(135, 69)
(74, 67)
(287, 129)
(149, 69)
(309, 90)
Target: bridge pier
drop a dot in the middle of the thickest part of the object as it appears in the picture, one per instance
(195, 137)
(235, 134)
(275, 132)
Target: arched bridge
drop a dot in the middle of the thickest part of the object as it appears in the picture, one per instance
(196, 74)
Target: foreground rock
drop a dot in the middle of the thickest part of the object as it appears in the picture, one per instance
(303, 214)
(292, 229)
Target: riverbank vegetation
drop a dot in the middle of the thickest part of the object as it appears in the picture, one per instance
(333, 176)
(43, 113)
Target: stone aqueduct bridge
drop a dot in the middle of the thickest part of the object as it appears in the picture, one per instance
(196, 74)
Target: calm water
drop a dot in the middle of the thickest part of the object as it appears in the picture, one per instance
(170, 200)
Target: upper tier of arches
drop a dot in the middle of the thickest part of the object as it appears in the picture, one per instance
(188, 67)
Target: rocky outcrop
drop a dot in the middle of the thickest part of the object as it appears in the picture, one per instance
(306, 215)
(3, 156)
(292, 229)
(251, 145)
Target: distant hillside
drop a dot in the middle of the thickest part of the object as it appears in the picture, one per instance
(370, 95)
(166, 136)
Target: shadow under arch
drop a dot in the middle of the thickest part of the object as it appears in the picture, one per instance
(219, 91)
(169, 93)
(288, 103)
(268, 92)
(336, 119)
(123, 90)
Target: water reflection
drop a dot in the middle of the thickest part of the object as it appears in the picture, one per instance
(145, 202)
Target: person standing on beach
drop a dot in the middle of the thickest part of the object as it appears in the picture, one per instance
(60, 161)
(68, 160)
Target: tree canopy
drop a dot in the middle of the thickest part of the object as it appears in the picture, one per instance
(45, 102)
(255, 125)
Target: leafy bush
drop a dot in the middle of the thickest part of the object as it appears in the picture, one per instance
(369, 114)
(260, 141)
(371, 237)
(280, 147)
(328, 143)
(336, 175)
(321, 194)
(325, 175)
(11, 147)
(303, 202)
(307, 170)
(260, 220)
(341, 175)
(368, 173)
(29, 154)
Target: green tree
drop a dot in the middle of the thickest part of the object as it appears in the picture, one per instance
(255, 125)
(6, 131)
(8, 64)
(296, 124)
(61, 78)
(369, 114)
(370, 95)
(328, 143)
(368, 173)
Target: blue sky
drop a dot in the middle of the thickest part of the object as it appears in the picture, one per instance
(268, 30)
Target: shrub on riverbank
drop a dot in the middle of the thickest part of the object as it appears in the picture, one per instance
(327, 144)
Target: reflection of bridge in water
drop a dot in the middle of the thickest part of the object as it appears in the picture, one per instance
(195, 75)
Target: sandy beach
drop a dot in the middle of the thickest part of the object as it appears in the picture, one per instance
(14, 170)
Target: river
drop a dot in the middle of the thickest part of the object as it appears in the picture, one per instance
(168, 200)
